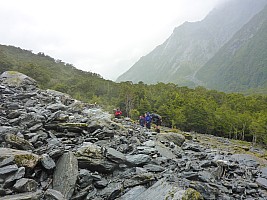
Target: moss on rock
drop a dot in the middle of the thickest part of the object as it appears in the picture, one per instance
(191, 194)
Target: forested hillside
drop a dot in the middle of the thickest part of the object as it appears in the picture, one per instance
(242, 63)
(201, 110)
(54, 74)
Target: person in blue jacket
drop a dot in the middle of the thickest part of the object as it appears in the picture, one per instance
(148, 120)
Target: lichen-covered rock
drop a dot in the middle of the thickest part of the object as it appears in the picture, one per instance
(187, 135)
(191, 194)
(22, 158)
(18, 142)
(90, 157)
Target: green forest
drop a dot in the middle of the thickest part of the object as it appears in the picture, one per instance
(200, 110)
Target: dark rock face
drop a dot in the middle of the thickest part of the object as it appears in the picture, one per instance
(55, 147)
(65, 174)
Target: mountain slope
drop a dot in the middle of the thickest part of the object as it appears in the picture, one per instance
(242, 63)
(191, 45)
(53, 74)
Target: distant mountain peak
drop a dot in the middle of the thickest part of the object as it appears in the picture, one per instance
(192, 45)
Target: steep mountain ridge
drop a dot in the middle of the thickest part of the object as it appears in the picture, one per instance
(192, 44)
(241, 63)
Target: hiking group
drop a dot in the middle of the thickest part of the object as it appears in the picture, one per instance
(147, 119)
(144, 120)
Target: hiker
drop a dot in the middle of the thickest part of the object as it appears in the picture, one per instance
(118, 113)
(156, 119)
(148, 120)
(142, 120)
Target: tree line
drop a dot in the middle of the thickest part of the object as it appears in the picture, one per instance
(231, 115)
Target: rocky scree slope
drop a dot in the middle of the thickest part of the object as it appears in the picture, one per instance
(55, 147)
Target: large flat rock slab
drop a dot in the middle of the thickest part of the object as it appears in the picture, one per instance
(66, 174)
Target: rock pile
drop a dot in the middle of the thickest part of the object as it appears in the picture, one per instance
(54, 147)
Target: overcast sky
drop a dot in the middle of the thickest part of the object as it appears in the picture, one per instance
(102, 36)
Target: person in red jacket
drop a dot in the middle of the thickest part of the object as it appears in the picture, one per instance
(118, 113)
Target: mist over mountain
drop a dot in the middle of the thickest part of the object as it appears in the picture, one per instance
(241, 63)
(192, 45)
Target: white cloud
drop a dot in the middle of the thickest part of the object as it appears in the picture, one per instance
(101, 36)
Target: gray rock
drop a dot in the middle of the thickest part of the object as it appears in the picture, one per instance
(246, 159)
(90, 157)
(7, 161)
(153, 168)
(18, 175)
(24, 196)
(263, 172)
(26, 185)
(16, 79)
(149, 143)
(85, 178)
(207, 191)
(115, 156)
(138, 160)
(65, 175)
(47, 162)
(206, 176)
(51, 194)
(162, 190)
(193, 147)
(139, 179)
(18, 142)
(146, 150)
(133, 193)
(22, 158)
(262, 182)
(8, 169)
(112, 191)
(56, 107)
(164, 151)
(176, 138)
(101, 184)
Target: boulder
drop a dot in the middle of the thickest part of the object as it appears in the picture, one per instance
(133, 193)
(26, 185)
(22, 158)
(262, 182)
(47, 162)
(90, 157)
(18, 142)
(65, 175)
(138, 160)
(16, 79)
(8, 169)
(115, 156)
(176, 138)
(162, 190)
